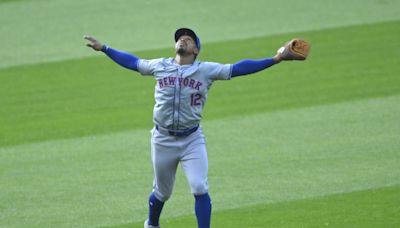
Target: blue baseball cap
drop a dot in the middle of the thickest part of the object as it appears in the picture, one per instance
(186, 31)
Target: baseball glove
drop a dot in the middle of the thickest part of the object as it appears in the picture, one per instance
(296, 49)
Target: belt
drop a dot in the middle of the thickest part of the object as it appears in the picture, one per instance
(177, 133)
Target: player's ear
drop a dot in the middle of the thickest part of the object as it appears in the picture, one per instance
(196, 51)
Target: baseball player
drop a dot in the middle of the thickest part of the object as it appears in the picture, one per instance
(182, 84)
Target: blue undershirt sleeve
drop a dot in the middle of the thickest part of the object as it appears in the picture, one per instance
(124, 59)
(247, 66)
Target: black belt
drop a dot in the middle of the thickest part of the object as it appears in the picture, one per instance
(177, 133)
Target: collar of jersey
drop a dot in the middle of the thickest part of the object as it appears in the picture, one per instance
(187, 70)
(196, 62)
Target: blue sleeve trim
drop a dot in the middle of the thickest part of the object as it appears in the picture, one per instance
(247, 66)
(124, 59)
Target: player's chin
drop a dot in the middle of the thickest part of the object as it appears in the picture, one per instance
(181, 51)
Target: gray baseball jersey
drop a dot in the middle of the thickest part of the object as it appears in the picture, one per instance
(181, 90)
(180, 95)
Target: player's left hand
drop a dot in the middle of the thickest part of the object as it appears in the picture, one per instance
(93, 43)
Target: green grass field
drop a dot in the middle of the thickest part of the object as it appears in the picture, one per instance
(302, 144)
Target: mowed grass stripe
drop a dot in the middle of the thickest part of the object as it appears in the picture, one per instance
(370, 208)
(263, 158)
(95, 96)
(56, 27)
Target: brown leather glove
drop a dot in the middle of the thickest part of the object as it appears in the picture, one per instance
(296, 49)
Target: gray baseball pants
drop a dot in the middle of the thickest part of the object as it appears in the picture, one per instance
(168, 151)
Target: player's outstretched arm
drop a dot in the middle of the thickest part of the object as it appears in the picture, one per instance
(295, 49)
(245, 67)
(124, 59)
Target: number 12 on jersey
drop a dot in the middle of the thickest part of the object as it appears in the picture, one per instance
(195, 99)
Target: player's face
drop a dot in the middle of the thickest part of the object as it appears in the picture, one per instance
(186, 46)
